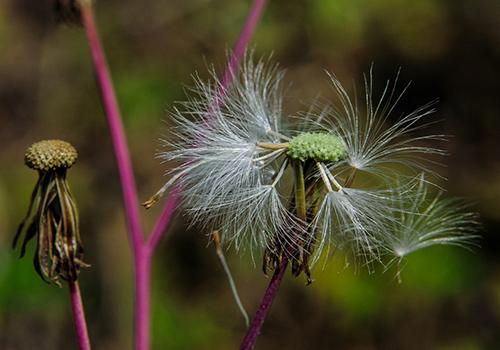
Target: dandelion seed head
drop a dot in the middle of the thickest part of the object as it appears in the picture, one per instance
(50, 155)
(318, 146)
(234, 158)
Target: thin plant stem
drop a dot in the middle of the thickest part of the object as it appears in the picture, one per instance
(140, 251)
(244, 38)
(273, 287)
(273, 146)
(82, 335)
(300, 190)
(165, 217)
(229, 275)
(267, 300)
(142, 283)
(237, 55)
(118, 138)
(142, 248)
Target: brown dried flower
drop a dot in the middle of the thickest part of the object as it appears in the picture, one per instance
(52, 215)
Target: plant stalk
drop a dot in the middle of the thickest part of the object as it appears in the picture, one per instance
(79, 316)
(300, 191)
(273, 287)
(142, 249)
(254, 15)
(229, 275)
(237, 55)
(267, 300)
(142, 283)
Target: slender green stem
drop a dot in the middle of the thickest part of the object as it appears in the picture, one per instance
(273, 146)
(300, 190)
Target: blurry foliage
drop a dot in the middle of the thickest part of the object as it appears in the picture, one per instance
(452, 272)
(448, 298)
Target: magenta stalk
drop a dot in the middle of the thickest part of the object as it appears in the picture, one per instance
(254, 15)
(141, 253)
(270, 294)
(113, 114)
(164, 219)
(82, 335)
(143, 249)
(142, 283)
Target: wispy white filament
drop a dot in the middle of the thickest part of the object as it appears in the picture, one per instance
(232, 179)
(372, 142)
(424, 219)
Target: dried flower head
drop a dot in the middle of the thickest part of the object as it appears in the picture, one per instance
(287, 185)
(52, 215)
(69, 11)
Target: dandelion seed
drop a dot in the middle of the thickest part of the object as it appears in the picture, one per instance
(372, 143)
(424, 219)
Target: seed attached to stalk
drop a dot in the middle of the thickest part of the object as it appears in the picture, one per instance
(52, 215)
(320, 147)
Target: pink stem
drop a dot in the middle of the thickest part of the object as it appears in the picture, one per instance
(79, 316)
(241, 44)
(143, 249)
(141, 253)
(164, 219)
(261, 314)
(118, 138)
(246, 34)
(142, 282)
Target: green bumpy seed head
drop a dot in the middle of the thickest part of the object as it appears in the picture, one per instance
(321, 147)
(50, 155)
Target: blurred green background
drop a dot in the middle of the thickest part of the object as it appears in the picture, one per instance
(449, 298)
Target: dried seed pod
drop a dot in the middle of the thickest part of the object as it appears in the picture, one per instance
(52, 215)
(50, 155)
(69, 11)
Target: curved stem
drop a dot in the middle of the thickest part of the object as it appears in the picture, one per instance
(140, 250)
(113, 115)
(261, 314)
(143, 249)
(79, 316)
(229, 275)
(164, 219)
(244, 38)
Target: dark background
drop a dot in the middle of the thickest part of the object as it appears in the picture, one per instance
(449, 298)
